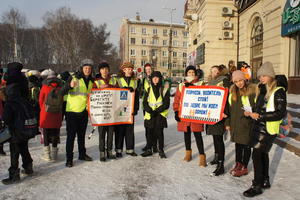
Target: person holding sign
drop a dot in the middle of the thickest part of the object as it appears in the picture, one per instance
(241, 98)
(217, 130)
(126, 131)
(188, 127)
(105, 81)
(156, 103)
(269, 110)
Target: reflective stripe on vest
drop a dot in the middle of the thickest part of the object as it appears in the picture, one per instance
(245, 100)
(77, 97)
(273, 126)
(195, 84)
(122, 83)
(112, 81)
(155, 103)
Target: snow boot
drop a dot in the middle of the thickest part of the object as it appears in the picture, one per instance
(237, 167)
(119, 155)
(253, 191)
(220, 168)
(147, 153)
(27, 170)
(144, 148)
(202, 160)
(188, 156)
(110, 155)
(162, 154)
(2, 152)
(102, 157)
(154, 149)
(131, 153)
(53, 154)
(14, 177)
(85, 158)
(266, 184)
(69, 162)
(46, 155)
(240, 172)
(215, 160)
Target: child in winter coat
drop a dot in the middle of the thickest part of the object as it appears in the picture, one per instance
(105, 81)
(269, 110)
(241, 97)
(188, 127)
(50, 122)
(156, 103)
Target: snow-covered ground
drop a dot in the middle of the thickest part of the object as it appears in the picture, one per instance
(147, 178)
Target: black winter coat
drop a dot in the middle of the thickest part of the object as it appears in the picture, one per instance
(261, 139)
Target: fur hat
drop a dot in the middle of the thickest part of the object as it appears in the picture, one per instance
(126, 65)
(238, 75)
(266, 70)
(190, 67)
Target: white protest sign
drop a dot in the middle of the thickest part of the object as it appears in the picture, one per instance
(111, 106)
(203, 104)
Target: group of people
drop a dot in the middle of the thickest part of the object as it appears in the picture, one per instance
(256, 129)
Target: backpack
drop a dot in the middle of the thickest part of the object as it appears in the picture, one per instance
(26, 123)
(285, 126)
(54, 101)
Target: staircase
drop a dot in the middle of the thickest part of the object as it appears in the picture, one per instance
(292, 141)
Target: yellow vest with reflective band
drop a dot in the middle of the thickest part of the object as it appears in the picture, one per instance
(122, 83)
(245, 100)
(273, 126)
(146, 84)
(112, 81)
(155, 103)
(77, 97)
(195, 84)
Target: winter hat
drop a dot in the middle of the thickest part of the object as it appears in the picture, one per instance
(238, 75)
(126, 65)
(14, 68)
(33, 79)
(87, 62)
(51, 74)
(103, 65)
(65, 75)
(266, 70)
(156, 74)
(147, 65)
(190, 67)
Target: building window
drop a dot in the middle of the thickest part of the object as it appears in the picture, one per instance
(132, 40)
(132, 52)
(165, 54)
(174, 65)
(165, 42)
(165, 64)
(185, 33)
(144, 41)
(144, 31)
(256, 46)
(144, 53)
(165, 32)
(132, 29)
(132, 61)
(174, 54)
(174, 33)
(184, 55)
(155, 41)
(183, 64)
(184, 44)
(143, 62)
(154, 31)
(175, 43)
(295, 57)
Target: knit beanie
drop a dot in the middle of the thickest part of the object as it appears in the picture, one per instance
(14, 68)
(51, 74)
(266, 70)
(190, 67)
(238, 75)
(103, 65)
(126, 65)
(156, 74)
(87, 62)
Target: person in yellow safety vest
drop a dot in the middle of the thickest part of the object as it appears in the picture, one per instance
(127, 80)
(269, 110)
(241, 98)
(156, 104)
(105, 81)
(77, 89)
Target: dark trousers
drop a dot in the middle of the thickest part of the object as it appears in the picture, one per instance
(51, 135)
(154, 135)
(242, 153)
(219, 146)
(126, 132)
(260, 165)
(76, 125)
(103, 131)
(16, 149)
(188, 140)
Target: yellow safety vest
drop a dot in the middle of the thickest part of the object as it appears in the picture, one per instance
(146, 84)
(100, 82)
(195, 84)
(122, 83)
(77, 97)
(155, 103)
(245, 100)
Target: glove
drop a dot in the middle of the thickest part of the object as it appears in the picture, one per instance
(177, 117)
(188, 84)
(129, 88)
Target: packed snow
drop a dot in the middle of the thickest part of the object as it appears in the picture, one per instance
(152, 178)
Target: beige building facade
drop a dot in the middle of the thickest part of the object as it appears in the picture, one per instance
(144, 42)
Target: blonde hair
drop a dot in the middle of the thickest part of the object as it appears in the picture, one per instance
(242, 92)
(270, 87)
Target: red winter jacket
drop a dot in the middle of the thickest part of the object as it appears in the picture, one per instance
(48, 120)
(183, 126)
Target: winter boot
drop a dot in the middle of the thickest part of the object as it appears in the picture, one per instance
(27, 170)
(240, 172)
(154, 149)
(254, 190)
(131, 153)
(162, 154)
(46, 155)
(2, 152)
(102, 157)
(13, 178)
(69, 162)
(266, 184)
(202, 160)
(53, 154)
(188, 156)
(144, 148)
(237, 166)
(147, 153)
(119, 155)
(215, 160)
(85, 157)
(220, 168)
(110, 155)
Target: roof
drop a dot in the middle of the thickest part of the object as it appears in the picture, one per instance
(155, 23)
